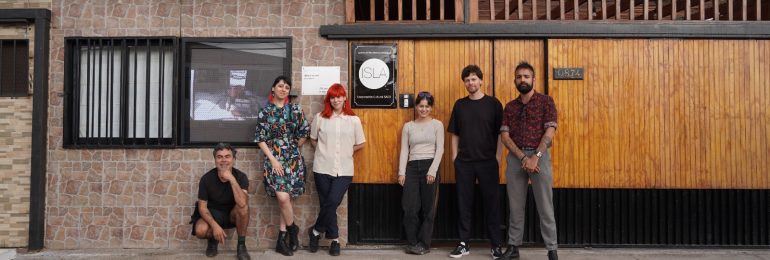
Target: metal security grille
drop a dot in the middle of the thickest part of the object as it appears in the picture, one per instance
(586, 217)
(121, 92)
(14, 68)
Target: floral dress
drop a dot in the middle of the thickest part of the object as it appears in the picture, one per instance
(281, 128)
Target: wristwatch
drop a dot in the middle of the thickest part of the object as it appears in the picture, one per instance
(539, 154)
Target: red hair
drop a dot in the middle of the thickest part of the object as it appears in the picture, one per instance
(270, 99)
(336, 90)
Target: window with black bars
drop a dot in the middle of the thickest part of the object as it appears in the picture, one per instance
(14, 68)
(120, 92)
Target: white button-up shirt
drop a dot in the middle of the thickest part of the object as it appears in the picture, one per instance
(336, 137)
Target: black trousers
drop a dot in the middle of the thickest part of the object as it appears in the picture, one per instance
(466, 174)
(419, 202)
(331, 189)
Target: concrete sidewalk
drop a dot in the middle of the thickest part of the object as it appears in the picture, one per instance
(393, 253)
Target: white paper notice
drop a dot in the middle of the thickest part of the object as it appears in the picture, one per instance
(317, 80)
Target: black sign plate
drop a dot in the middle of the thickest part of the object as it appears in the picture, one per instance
(568, 73)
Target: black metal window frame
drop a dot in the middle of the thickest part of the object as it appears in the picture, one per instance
(100, 90)
(112, 76)
(14, 68)
(184, 131)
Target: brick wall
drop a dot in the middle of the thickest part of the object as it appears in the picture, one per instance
(133, 198)
(15, 146)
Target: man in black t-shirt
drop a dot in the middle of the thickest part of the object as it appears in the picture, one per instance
(476, 149)
(222, 203)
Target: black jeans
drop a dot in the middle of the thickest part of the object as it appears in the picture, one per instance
(419, 202)
(330, 192)
(466, 174)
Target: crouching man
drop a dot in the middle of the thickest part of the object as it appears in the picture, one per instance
(222, 203)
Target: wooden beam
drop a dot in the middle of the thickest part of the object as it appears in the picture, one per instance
(576, 10)
(603, 12)
(386, 12)
(473, 11)
(676, 7)
(507, 15)
(459, 11)
(534, 9)
(548, 9)
(371, 10)
(350, 11)
(441, 10)
(702, 8)
(615, 10)
(660, 10)
(714, 10)
(569, 6)
(646, 11)
(590, 10)
(401, 10)
(414, 10)
(491, 10)
(427, 10)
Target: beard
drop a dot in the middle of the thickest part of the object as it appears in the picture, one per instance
(524, 88)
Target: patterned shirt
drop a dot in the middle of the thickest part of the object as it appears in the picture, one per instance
(526, 123)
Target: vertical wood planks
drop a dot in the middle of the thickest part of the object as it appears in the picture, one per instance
(685, 114)
(377, 162)
(438, 64)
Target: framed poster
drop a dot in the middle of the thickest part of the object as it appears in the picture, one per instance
(374, 76)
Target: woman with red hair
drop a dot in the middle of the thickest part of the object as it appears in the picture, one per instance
(336, 133)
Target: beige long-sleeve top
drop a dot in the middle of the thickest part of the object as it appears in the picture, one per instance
(421, 141)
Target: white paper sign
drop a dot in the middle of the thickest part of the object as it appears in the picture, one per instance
(317, 80)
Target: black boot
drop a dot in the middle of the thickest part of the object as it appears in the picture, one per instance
(242, 253)
(282, 246)
(293, 231)
(552, 255)
(211, 248)
(312, 241)
(512, 252)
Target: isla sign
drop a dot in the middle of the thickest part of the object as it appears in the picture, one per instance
(374, 82)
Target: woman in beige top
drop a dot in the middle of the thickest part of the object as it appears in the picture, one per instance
(422, 145)
(336, 133)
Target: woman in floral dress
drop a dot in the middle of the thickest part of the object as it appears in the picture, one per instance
(281, 130)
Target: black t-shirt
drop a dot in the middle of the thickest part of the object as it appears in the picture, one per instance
(218, 194)
(477, 123)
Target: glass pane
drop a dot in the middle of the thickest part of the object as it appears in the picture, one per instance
(229, 83)
(99, 112)
(138, 92)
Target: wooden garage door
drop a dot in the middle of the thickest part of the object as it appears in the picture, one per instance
(662, 113)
